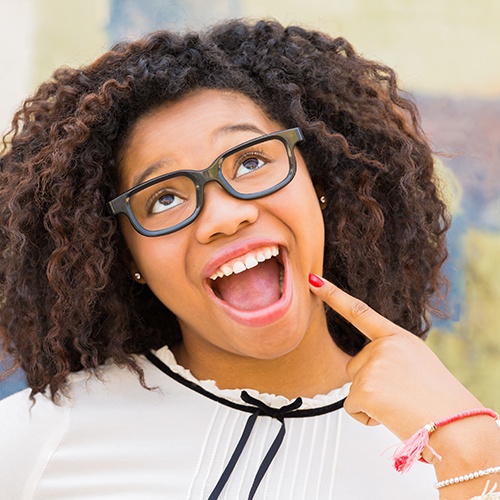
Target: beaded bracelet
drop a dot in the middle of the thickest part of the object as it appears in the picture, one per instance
(411, 450)
(467, 477)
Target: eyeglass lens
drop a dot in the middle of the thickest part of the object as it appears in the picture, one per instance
(252, 170)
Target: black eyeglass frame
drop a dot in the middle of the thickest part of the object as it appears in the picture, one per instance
(121, 204)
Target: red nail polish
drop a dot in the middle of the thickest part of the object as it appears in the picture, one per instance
(316, 281)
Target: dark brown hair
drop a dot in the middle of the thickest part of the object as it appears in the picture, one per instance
(67, 301)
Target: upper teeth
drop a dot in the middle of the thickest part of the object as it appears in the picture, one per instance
(247, 261)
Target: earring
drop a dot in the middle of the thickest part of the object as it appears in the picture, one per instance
(137, 276)
(322, 201)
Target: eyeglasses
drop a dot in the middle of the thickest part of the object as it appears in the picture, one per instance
(251, 170)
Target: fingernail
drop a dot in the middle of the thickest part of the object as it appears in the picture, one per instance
(316, 281)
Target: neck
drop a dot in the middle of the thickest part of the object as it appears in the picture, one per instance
(315, 366)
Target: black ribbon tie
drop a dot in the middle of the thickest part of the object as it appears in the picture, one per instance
(264, 410)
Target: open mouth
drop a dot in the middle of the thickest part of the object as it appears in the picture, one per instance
(252, 281)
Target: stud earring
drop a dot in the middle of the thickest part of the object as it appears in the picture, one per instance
(322, 201)
(137, 276)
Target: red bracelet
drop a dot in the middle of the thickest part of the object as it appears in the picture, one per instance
(411, 450)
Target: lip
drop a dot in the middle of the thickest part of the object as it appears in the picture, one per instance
(259, 317)
(234, 251)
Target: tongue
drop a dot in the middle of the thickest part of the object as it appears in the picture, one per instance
(252, 289)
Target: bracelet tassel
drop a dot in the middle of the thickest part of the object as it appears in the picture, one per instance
(411, 450)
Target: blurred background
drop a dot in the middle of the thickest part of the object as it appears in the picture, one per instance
(447, 55)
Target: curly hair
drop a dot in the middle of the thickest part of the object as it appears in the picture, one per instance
(67, 301)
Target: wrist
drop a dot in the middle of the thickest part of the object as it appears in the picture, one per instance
(464, 448)
(465, 442)
(467, 446)
(411, 450)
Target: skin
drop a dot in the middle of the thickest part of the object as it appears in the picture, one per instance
(427, 392)
(292, 355)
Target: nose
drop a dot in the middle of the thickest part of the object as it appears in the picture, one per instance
(223, 214)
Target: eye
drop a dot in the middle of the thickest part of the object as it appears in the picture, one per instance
(249, 163)
(161, 202)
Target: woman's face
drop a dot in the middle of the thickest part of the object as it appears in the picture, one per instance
(265, 311)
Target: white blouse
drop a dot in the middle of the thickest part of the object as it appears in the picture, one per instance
(112, 439)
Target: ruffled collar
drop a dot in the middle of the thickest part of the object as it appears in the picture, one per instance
(275, 401)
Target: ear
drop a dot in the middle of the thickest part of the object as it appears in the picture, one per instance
(133, 268)
(321, 194)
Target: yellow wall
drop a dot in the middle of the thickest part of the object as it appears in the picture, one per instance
(471, 349)
(68, 32)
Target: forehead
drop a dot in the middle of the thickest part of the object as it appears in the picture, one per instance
(198, 127)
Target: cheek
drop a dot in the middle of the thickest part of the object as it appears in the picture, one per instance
(303, 200)
(308, 210)
(158, 259)
(298, 207)
(164, 268)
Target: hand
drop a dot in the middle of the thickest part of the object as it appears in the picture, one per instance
(396, 379)
(399, 382)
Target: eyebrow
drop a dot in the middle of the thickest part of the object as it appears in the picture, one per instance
(239, 127)
(227, 129)
(149, 171)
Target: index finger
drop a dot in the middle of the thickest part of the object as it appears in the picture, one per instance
(369, 322)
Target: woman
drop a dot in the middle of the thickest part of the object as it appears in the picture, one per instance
(166, 212)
